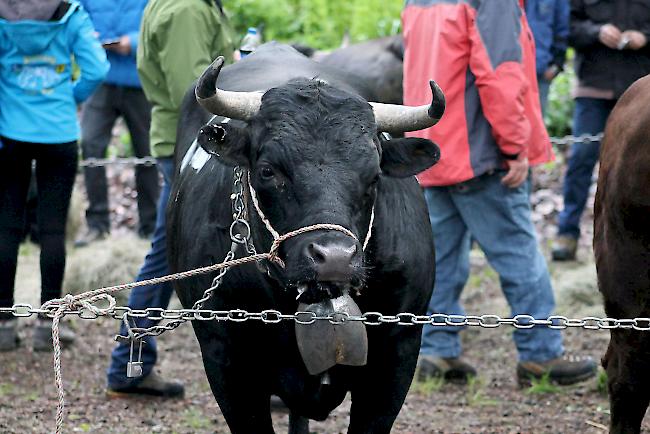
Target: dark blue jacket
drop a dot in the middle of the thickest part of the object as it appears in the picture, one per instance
(549, 21)
(113, 19)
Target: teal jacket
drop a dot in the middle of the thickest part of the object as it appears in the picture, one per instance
(38, 97)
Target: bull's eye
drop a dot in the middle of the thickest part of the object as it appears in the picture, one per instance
(266, 173)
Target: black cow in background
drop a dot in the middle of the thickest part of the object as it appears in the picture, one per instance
(309, 140)
(378, 62)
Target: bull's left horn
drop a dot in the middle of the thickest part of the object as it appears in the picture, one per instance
(393, 118)
(234, 105)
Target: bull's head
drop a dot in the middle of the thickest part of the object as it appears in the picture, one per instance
(315, 156)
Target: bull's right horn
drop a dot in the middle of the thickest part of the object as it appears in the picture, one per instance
(234, 105)
(393, 118)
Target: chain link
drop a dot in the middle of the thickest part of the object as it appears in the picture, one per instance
(565, 141)
(150, 161)
(272, 316)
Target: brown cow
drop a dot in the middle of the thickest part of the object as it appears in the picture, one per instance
(622, 248)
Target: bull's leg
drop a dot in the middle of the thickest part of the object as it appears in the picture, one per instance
(380, 387)
(298, 424)
(237, 382)
(628, 380)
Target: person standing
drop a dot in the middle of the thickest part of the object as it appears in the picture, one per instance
(482, 55)
(549, 22)
(117, 23)
(178, 41)
(611, 42)
(38, 125)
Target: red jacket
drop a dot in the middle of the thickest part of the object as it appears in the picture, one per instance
(482, 54)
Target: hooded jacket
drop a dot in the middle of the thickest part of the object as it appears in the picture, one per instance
(482, 54)
(113, 19)
(38, 98)
(179, 40)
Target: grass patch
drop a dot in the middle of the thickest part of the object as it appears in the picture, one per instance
(601, 382)
(195, 419)
(429, 386)
(476, 393)
(6, 389)
(543, 386)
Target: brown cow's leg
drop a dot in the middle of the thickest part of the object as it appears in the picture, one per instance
(628, 380)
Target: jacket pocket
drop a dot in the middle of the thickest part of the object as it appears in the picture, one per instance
(600, 11)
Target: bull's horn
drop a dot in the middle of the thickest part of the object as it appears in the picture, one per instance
(393, 118)
(235, 105)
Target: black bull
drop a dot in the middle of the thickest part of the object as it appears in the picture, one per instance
(314, 156)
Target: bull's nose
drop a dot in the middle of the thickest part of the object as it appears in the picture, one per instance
(333, 262)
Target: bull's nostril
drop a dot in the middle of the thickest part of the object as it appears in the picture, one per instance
(317, 253)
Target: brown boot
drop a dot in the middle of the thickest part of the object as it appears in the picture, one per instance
(562, 370)
(451, 369)
(564, 248)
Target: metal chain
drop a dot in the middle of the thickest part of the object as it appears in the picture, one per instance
(150, 161)
(569, 140)
(272, 316)
(131, 161)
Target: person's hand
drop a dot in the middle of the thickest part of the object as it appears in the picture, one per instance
(610, 35)
(517, 172)
(551, 72)
(123, 46)
(636, 39)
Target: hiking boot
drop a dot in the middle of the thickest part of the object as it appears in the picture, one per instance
(8, 334)
(151, 385)
(562, 370)
(564, 248)
(451, 369)
(42, 340)
(90, 236)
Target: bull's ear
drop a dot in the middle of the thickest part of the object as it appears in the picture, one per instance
(408, 156)
(228, 143)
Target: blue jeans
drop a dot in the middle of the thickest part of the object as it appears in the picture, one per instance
(499, 219)
(155, 265)
(544, 87)
(589, 117)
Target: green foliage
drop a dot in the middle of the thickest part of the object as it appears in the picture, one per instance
(542, 386)
(476, 393)
(559, 110)
(320, 24)
(601, 383)
(428, 386)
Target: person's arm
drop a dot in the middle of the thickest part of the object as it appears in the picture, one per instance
(583, 32)
(560, 33)
(88, 54)
(185, 49)
(496, 61)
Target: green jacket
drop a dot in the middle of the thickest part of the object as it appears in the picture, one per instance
(179, 39)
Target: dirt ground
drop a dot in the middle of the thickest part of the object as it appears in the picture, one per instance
(491, 404)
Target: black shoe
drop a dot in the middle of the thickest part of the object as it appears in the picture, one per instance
(90, 236)
(451, 369)
(42, 338)
(8, 334)
(564, 248)
(152, 385)
(562, 370)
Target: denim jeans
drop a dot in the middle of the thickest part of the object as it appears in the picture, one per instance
(155, 265)
(589, 117)
(498, 218)
(544, 88)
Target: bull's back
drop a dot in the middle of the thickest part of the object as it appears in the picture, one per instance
(622, 207)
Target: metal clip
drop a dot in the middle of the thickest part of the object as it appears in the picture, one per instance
(134, 369)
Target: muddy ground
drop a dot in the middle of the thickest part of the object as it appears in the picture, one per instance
(491, 404)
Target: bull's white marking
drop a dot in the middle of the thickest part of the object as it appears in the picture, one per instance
(195, 155)
(340, 304)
